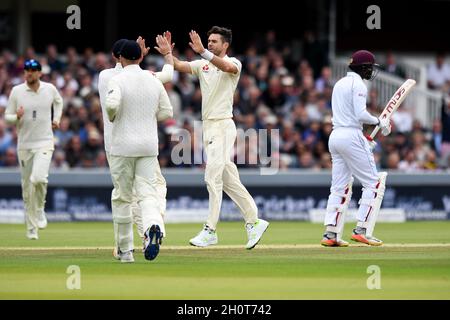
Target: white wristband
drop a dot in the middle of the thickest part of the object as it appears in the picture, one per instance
(208, 55)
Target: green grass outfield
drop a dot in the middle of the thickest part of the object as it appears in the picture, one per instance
(288, 263)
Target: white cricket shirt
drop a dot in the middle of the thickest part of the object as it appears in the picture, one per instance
(217, 88)
(348, 103)
(35, 127)
(103, 80)
(164, 76)
(135, 101)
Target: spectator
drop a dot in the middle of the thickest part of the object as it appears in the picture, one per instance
(324, 80)
(436, 137)
(52, 57)
(10, 158)
(59, 160)
(6, 138)
(393, 161)
(438, 74)
(430, 162)
(445, 118)
(392, 67)
(409, 163)
(74, 151)
(402, 119)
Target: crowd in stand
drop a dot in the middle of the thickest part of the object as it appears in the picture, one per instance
(280, 88)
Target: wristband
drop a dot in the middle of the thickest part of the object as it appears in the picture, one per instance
(208, 55)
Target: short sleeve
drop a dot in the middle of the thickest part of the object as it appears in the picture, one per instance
(238, 64)
(197, 65)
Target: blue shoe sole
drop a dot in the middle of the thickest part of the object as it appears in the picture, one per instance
(152, 250)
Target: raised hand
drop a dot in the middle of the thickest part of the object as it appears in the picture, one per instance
(144, 50)
(163, 45)
(168, 36)
(196, 42)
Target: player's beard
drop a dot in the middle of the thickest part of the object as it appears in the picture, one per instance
(31, 82)
(216, 52)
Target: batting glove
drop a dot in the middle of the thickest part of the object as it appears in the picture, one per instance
(385, 126)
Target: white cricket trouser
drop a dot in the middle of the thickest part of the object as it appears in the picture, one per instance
(139, 172)
(221, 173)
(351, 155)
(34, 168)
(161, 192)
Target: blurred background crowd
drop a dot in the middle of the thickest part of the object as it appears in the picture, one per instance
(278, 89)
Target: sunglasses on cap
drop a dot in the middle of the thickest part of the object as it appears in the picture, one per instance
(32, 65)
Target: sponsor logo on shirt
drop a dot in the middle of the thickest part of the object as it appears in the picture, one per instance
(205, 68)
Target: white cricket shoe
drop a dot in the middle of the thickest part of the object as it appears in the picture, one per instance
(205, 238)
(255, 232)
(32, 234)
(126, 257)
(42, 220)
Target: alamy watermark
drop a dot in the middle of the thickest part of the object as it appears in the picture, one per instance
(250, 148)
(73, 281)
(374, 20)
(74, 20)
(374, 280)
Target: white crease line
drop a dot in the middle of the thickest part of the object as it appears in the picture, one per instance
(224, 247)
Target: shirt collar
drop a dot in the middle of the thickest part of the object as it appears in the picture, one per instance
(133, 67)
(29, 89)
(118, 66)
(353, 74)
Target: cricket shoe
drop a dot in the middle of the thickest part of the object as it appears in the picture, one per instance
(126, 257)
(42, 220)
(32, 234)
(205, 238)
(152, 240)
(255, 232)
(331, 241)
(360, 236)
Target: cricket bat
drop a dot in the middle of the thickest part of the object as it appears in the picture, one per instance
(395, 102)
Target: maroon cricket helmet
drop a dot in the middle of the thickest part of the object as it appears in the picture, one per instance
(362, 57)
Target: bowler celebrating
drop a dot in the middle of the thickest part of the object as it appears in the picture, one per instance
(219, 75)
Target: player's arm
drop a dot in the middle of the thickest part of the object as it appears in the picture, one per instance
(165, 110)
(144, 49)
(181, 66)
(359, 105)
(165, 49)
(113, 99)
(12, 113)
(57, 108)
(222, 64)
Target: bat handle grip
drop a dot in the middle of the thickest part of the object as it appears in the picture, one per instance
(374, 132)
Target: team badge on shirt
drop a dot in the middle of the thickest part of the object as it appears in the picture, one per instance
(205, 68)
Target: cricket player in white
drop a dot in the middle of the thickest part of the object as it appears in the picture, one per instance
(30, 108)
(135, 101)
(219, 75)
(164, 76)
(352, 155)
